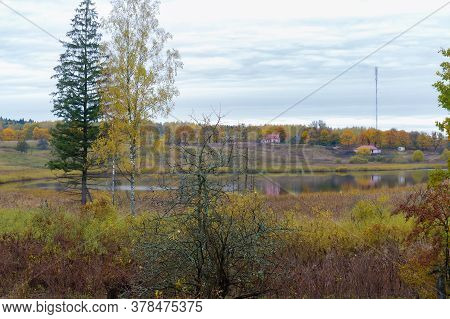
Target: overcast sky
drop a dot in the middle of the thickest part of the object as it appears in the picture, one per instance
(254, 58)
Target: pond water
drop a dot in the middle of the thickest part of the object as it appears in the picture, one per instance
(279, 184)
(282, 184)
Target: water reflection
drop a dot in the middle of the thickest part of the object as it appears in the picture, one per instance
(277, 185)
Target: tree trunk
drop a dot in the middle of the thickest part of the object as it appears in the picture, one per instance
(447, 256)
(84, 190)
(113, 181)
(246, 159)
(133, 157)
(440, 286)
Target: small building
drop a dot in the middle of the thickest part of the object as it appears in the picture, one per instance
(372, 148)
(401, 149)
(271, 139)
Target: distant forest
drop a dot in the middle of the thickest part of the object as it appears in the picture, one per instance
(316, 133)
(5, 122)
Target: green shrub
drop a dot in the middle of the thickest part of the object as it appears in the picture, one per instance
(437, 176)
(364, 152)
(375, 222)
(418, 156)
(22, 147)
(358, 159)
(377, 158)
(42, 145)
(16, 222)
(64, 254)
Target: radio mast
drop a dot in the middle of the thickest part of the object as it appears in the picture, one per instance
(376, 97)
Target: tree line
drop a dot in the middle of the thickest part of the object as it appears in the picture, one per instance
(313, 134)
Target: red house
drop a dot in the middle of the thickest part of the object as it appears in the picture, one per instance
(372, 148)
(271, 139)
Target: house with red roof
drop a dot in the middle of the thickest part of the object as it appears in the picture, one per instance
(273, 138)
(372, 148)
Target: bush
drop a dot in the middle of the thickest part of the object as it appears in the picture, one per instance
(347, 258)
(234, 261)
(22, 147)
(377, 158)
(438, 176)
(42, 145)
(50, 253)
(358, 159)
(418, 156)
(364, 152)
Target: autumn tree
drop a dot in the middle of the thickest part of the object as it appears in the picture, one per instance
(184, 134)
(305, 137)
(424, 141)
(28, 129)
(390, 138)
(141, 75)
(41, 133)
(110, 148)
(76, 100)
(413, 136)
(9, 134)
(430, 208)
(403, 138)
(437, 140)
(443, 87)
(373, 136)
(347, 138)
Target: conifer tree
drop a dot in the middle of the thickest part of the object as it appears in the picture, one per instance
(76, 100)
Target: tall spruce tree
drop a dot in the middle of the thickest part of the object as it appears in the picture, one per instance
(76, 100)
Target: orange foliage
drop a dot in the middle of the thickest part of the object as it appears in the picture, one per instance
(41, 134)
(9, 134)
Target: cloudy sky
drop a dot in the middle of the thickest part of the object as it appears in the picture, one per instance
(252, 59)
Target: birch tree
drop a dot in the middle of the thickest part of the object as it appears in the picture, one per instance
(141, 75)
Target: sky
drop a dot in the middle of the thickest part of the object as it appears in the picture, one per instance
(252, 59)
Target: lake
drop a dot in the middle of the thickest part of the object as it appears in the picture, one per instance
(279, 184)
(282, 184)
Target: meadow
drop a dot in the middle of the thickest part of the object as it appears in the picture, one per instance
(328, 245)
(18, 167)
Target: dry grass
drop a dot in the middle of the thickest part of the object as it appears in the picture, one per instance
(337, 203)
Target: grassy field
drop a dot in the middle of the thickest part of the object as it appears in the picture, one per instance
(16, 166)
